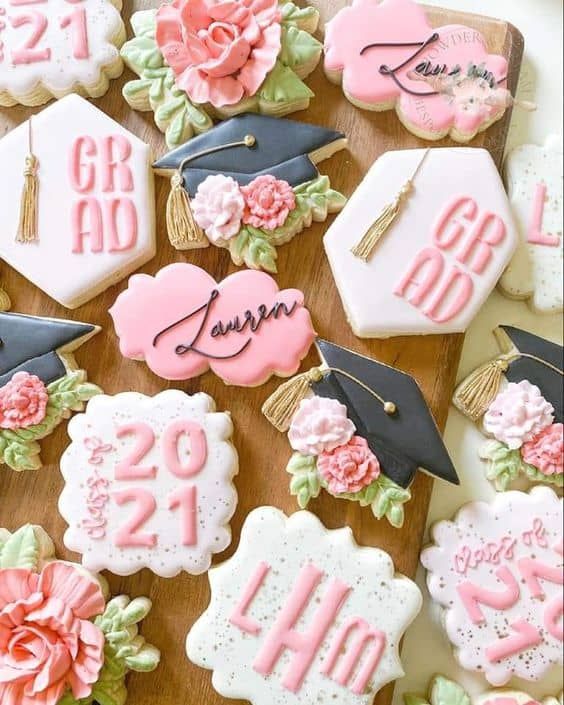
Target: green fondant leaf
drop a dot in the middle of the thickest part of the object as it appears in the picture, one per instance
(168, 110)
(504, 464)
(537, 476)
(239, 245)
(282, 85)
(144, 23)
(305, 483)
(298, 47)
(261, 254)
(176, 128)
(298, 16)
(21, 550)
(142, 53)
(447, 692)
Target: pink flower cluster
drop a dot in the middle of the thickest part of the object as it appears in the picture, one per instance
(546, 450)
(221, 205)
(23, 402)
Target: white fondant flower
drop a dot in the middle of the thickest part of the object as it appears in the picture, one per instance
(218, 207)
(320, 425)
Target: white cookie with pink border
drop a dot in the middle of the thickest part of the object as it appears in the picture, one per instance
(302, 614)
(497, 572)
(149, 483)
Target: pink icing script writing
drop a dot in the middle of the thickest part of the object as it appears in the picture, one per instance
(30, 51)
(442, 294)
(367, 644)
(107, 223)
(535, 234)
(98, 496)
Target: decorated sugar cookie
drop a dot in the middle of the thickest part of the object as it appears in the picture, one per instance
(252, 184)
(49, 48)
(203, 59)
(422, 242)
(534, 180)
(149, 483)
(183, 323)
(359, 430)
(385, 51)
(40, 382)
(301, 614)
(521, 414)
(62, 639)
(92, 220)
(443, 691)
(497, 572)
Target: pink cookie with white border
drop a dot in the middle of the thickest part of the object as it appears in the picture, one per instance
(183, 323)
(149, 483)
(497, 572)
(441, 81)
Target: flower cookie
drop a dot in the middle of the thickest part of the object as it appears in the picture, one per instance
(522, 415)
(54, 47)
(302, 614)
(61, 639)
(182, 323)
(149, 483)
(533, 176)
(203, 59)
(40, 383)
(94, 205)
(359, 429)
(253, 184)
(385, 51)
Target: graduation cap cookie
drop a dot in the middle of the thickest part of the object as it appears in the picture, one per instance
(40, 383)
(250, 184)
(522, 414)
(360, 429)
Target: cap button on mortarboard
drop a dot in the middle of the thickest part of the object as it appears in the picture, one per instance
(250, 140)
(390, 408)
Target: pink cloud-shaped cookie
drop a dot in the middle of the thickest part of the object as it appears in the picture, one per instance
(383, 52)
(182, 323)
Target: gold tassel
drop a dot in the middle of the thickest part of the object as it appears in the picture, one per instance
(474, 395)
(183, 231)
(5, 302)
(282, 404)
(27, 229)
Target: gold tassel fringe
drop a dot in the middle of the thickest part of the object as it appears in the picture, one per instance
(183, 231)
(474, 395)
(282, 404)
(27, 228)
(365, 248)
(5, 302)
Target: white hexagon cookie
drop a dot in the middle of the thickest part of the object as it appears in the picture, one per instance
(440, 257)
(149, 483)
(534, 181)
(95, 204)
(303, 615)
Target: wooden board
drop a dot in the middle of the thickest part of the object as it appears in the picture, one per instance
(433, 360)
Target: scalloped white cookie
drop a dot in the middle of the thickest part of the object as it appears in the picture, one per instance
(533, 177)
(303, 615)
(149, 483)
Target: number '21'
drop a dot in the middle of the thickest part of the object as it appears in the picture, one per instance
(183, 498)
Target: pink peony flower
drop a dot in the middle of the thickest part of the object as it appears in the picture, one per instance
(349, 468)
(47, 642)
(23, 401)
(219, 50)
(218, 207)
(320, 424)
(546, 451)
(268, 202)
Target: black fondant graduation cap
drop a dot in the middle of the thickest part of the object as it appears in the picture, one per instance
(388, 409)
(38, 345)
(286, 149)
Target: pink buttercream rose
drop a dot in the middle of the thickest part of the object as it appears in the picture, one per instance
(349, 468)
(218, 207)
(320, 424)
(219, 50)
(47, 642)
(268, 202)
(23, 401)
(546, 451)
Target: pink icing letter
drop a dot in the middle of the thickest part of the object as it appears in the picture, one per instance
(129, 535)
(198, 448)
(535, 234)
(82, 173)
(365, 634)
(112, 210)
(456, 281)
(434, 259)
(488, 232)
(532, 570)
(553, 618)
(472, 595)
(79, 34)
(304, 645)
(460, 205)
(525, 638)
(129, 468)
(28, 54)
(187, 499)
(96, 234)
(239, 618)
(115, 150)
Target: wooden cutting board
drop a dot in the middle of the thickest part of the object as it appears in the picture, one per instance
(433, 361)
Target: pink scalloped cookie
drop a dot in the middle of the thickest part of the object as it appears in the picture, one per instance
(183, 323)
(497, 572)
(149, 483)
(441, 81)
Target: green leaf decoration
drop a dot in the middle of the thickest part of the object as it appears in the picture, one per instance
(142, 53)
(298, 47)
(304, 17)
(253, 248)
(282, 85)
(504, 465)
(305, 483)
(412, 699)
(21, 549)
(447, 692)
(537, 476)
(389, 501)
(144, 23)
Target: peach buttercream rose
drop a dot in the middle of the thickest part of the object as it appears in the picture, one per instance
(349, 468)
(546, 450)
(268, 202)
(23, 401)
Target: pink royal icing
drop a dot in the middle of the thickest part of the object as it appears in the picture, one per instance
(23, 402)
(545, 451)
(320, 424)
(377, 44)
(535, 234)
(268, 202)
(182, 323)
(218, 207)
(349, 468)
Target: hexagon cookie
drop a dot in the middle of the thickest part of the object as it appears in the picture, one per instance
(95, 201)
(438, 258)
